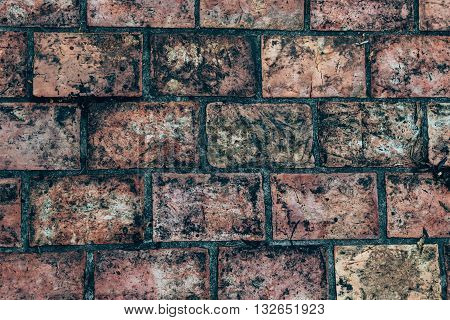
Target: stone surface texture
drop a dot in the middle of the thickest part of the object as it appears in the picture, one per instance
(10, 212)
(13, 64)
(434, 14)
(439, 133)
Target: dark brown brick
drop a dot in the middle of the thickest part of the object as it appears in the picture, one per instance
(434, 14)
(13, 64)
(439, 133)
(10, 212)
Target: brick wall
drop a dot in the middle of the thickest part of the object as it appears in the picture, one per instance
(210, 149)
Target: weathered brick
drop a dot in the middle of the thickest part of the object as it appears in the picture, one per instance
(324, 206)
(141, 13)
(369, 15)
(439, 133)
(410, 66)
(39, 136)
(417, 202)
(161, 274)
(10, 208)
(387, 272)
(259, 135)
(251, 14)
(75, 64)
(434, 14)
(82, 210)
(202, 65)
(13, 64)
(370, 134)
(203, 207)
(305, 66)
(54, 13)
(143, 135)
(278, 273)
(41, 276)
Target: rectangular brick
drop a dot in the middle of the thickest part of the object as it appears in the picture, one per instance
(81, 210)
(434, 14)
(39, 136)
(439, 133)
(417, 202)
(410, 66)
(143, 135)
(275, 273)
(75, 64)
(162, 274)
(42, 276)
(204, 207)
(396, 272)
(250, 14)
(370, 134)
(303, 66)
(369, 15)
(10, 212)
(259, 135)
(203, 65)
(13, 64)
(141, 13)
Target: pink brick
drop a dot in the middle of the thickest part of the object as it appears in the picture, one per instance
(10, 212)
(13, 64)
(434, 14)
(439, 133)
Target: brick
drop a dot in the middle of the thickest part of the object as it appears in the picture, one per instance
(141, 13)
(434, 15)
(82, 210)
(417, 202)
(143, 135)
(278, 273)
(202, 65)
(13, 64)
(10, 212)
(162, 274)
(42, 276)
(370, 134)
(324, 206)
(305, 66)
(396, 272)
(250, 14)
(39, 136)
(259, 135)
(75, 64)
(51, 13)
(439, 133)
(447, 259)
(370, 15)
(410, 66)
(204, 207)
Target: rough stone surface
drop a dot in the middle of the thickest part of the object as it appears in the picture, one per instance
(279, 273)
(447, 259)
(439, 133)
(203, 207)
(410, 66)
(370, 134)
(417, 203)
(39, 136)
(13, 64)
(202, 65)
(434, 14)
(143, 135)
(252, 14)
(82, 210)
(306, 66)
(162, 274)
(324, 206)
(10, 208)
(41, 276)
(259, 135)
(75, 64)
(387, 272)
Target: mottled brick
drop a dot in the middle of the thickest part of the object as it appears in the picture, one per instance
(370, 134)
(202, 65)
(10, 208)
(162, 274)
(81, 210)
(387, 272)
(42, 276)
(259, 135)
(278, 273)
(143, 135)
(141, 13)
(324, 206)
(303, 66)
(39, 136)
(204, 207)
(439, 133)
(13, 64)
(410, 66)
(75, 64)
(251, 14)
(434, 14)
(417, 202)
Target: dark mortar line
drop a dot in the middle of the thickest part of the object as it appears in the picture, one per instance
(443, 271)
(257, 51)
(307, 16)
(315, 128)
(213, 253)
(202, 144)
(268, 205)
(30, 65)
(197, 14)
(146, 62)
(148, 207)
(382, 205)
(89, 287)
(368, 71)
(83, 16)
(424, 130)
(331, 273)
(84, 138)
(416, 16)
(25, 212)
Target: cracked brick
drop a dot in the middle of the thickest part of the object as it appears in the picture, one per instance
(439, 133)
